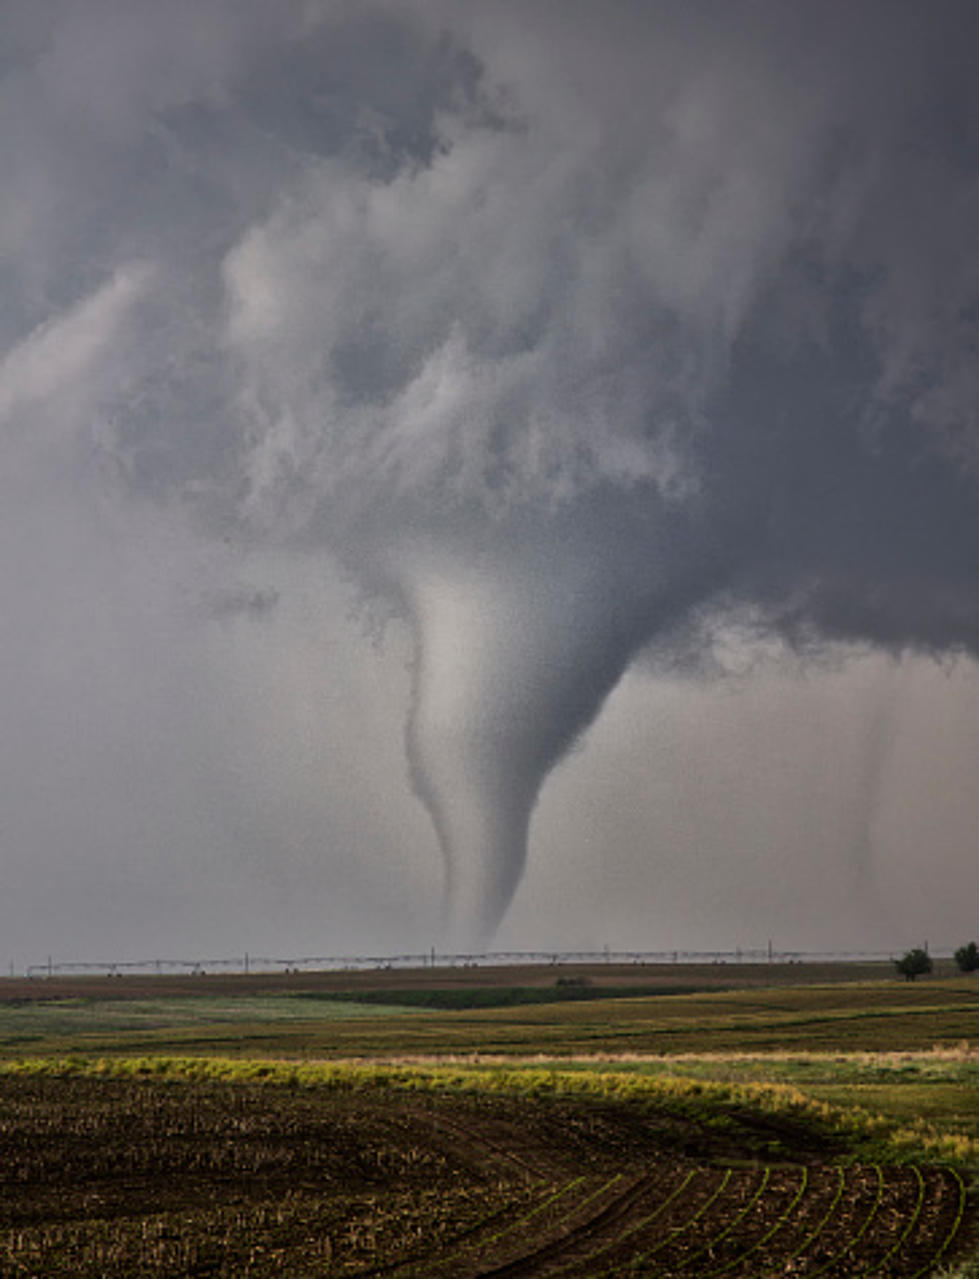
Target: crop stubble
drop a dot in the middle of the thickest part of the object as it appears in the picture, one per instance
(152, 1177)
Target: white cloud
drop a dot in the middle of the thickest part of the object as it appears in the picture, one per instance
(58, 357)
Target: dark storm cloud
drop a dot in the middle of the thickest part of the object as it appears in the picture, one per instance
(576, 333)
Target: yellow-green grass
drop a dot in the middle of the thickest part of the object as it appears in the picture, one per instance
(939, 1087)
(868, 1133)
(935, 1090)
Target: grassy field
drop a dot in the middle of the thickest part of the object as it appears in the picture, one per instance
(303, 1020)
(223, 1126)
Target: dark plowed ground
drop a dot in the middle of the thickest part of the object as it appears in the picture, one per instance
(143, 1177)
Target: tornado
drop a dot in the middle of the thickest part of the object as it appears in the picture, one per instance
(516, 649)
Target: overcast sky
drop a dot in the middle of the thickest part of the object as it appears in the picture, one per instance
(488, 473)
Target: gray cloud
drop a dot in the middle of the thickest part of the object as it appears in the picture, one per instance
(233, 601)
(646, 334)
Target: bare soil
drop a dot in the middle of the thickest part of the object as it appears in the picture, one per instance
(148, 1177)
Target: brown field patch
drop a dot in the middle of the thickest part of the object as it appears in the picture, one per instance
(133, 1176)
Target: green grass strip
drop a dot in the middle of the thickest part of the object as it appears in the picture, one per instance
(673, 1234)
(946, 1243)
(774, 1229)
(906, 1232)
(874, 1207)
(823, 1222)
(477, 998)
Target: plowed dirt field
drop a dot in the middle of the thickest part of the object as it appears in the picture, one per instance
(127, 1177)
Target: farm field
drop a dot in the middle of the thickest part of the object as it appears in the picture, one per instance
(191, 1167)
(695, 1009)
(788, 1129)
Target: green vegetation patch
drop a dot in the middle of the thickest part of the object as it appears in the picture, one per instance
(65, 1017)
(465, 998)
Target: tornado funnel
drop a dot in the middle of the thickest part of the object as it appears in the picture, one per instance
(515, 654)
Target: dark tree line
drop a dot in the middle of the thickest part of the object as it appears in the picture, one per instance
(917, 962)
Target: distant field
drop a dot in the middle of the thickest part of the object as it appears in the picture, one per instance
(67, 1018)
(298, 1017)
(542, 976)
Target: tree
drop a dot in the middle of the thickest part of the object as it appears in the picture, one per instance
(912, 963)
(967, 958)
